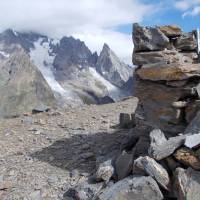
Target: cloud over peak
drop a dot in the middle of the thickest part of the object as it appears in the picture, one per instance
(94, 21)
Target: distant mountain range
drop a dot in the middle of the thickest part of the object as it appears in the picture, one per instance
(66, 68)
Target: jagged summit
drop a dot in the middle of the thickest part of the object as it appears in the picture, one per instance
(112, 68)
(73, 72)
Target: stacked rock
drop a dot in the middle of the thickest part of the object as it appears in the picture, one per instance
(167, 75)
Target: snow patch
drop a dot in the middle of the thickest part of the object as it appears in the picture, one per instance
(4, 54)
(43, 58)
(15, 33)
(114, 92)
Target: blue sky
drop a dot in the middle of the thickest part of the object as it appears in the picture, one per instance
(168, 14)
(97, 21)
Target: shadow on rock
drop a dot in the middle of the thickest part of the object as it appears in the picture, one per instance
(82, 152)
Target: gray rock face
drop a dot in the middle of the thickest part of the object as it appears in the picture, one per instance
(123, 165)
(192, 141)
(25, 40)
(187, 42)
(111, 68)
(137, 188)
(149, 39)
(187, 184)
(70, 55)
(22, 86)
(160, 147)
(153, 169)
(194, 126)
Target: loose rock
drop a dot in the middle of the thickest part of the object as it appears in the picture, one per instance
(187, 184)
(154, 169)
(160, 147)
(188, 158)
(105, 171)
(137, 188)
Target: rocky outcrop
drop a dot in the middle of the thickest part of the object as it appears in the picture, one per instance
(70, 68)
(166, 74)
(111, 68)
(22, 86)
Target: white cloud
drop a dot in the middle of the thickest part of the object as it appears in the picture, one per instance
(189, 7)
(94, 21)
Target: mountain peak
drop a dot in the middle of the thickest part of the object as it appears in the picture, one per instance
(106, 47)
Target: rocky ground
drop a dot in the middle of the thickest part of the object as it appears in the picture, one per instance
(45, 154)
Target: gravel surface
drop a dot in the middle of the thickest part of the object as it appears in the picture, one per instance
(45, 154)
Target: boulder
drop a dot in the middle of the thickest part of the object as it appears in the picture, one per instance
(160, 147)
(188, 158)
(153, 169)
(187, 42)
(168, 72)
(187, 184)
(148, 39)
(22, 86)
(171, 30)
(137, 188)
(123, 165)
(105, 171)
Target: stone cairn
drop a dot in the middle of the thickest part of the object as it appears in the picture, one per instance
(167, 75)
(160, 159)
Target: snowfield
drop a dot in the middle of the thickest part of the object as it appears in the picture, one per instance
(43, 58)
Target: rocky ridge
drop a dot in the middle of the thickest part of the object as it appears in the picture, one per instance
(70, 68)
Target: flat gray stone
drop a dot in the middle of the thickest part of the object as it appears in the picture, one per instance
(192, 141)
(154, 169)
(136, 188)
(187, 184)
(160, 147)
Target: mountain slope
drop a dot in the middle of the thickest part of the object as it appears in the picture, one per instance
(22, 86)
(73, 72)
